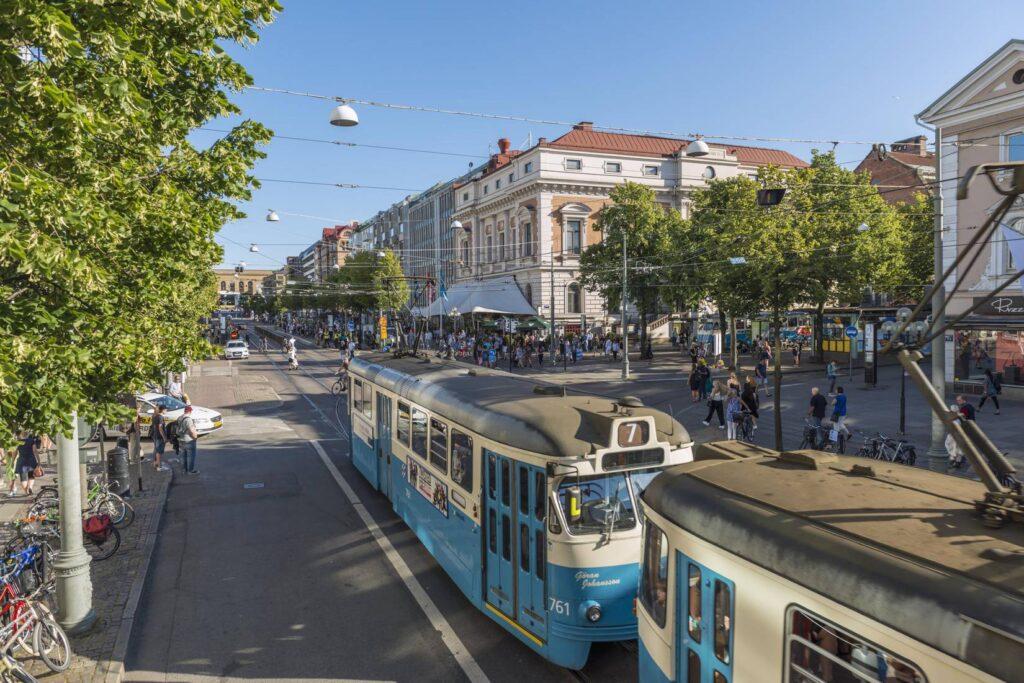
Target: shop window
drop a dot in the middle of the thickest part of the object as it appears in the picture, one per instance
(819, 650)
(654, 574)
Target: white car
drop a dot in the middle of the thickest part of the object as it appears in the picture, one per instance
(206, 420)
(236, 349)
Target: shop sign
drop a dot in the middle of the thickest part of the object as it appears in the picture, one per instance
(1001, 305)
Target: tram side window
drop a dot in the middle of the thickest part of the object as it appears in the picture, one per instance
(357, 396)
(439, 445)
(654, 577)
(419, 433)
(723, 621)
(524, 491)
(540, 491)
(462, 460)
(367, 403)
(404, 424)
(819, 651)
(693, 600)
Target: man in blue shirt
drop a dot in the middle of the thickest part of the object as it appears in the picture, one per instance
(839, 412)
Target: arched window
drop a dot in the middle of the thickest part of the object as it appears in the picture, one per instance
(250, 286)
(490, 245)
(465, 253)
(573, 302)
(223, 286)
(529, 293)
(527, 239)
(232, 286)
(501, 245)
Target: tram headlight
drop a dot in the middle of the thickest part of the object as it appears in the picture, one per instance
(592, 611)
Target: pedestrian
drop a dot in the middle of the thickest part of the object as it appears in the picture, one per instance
(159, 436)
(992, 389)
(716, 404)
(761, 373)
(733, 382)
(798, 349)
(704, 376)
(816, 409)
(831, 373)
(749, 400)
(615, 350)
(733, 408)
(188, 436)
(695, 382)
(839, 412)
(27, 465)
(967, 411)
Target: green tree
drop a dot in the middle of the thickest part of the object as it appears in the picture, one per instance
(391, 289)
(107, 211)
(918, 247)
(636, 216)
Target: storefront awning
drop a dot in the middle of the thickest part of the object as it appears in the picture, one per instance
(499, 296)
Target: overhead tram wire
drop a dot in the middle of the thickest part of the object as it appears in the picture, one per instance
(342, 143)
(555, 122)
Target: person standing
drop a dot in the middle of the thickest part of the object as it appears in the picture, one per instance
(992, 389)
(831, 372)
(839, 412)
(703, 377)
(761, 373)
(798, 350)
(749, 400)
(716, 404)
(733, 407)
(158, 433)
(967, 411)
(817, 407)
(188, 437)
(28, 461)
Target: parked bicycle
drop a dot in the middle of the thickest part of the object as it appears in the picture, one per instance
(745, 426)
(881, 447)
(100, 500)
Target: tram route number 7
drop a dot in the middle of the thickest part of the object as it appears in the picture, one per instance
(558, 606)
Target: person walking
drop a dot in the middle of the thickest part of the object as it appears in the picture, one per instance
(28, 462)
(716, 404)
(816, 411)
(749, 400)
(831, 373)
(992, 389)
(733, 408)
(158, 433)
(839, 413)
(695, 383)
(798, 350)
(188, 436)
(761, 373)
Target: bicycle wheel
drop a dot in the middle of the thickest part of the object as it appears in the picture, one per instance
(14, 672)
(101, 551)
(114, 506)
(336, 388)
(911, 456)
(50, 641)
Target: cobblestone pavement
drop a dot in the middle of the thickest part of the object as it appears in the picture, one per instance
(116, 584)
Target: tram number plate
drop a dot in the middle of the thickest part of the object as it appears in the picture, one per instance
(558, 606)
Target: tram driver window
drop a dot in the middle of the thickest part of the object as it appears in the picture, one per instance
(419, 433)
(723, 621)
(821, 652)
(404, 424)
(439, 445)
(462, 460)
(654, 576)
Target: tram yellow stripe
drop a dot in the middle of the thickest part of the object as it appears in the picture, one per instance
(504, 617)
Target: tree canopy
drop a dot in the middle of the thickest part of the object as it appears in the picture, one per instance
(107, 211)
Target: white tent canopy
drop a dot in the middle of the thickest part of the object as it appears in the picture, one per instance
(501, 296)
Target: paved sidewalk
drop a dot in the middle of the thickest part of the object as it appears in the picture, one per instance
(116, 584)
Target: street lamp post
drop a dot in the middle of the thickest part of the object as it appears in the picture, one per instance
(625, 327)
(74, 583)
(551, 332)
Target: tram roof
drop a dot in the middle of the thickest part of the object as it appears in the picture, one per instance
(900, 544)
(506, 407)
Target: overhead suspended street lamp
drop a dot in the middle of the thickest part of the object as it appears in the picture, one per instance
(343, 115)
(697, 148)
(272, 217)
(254, 248)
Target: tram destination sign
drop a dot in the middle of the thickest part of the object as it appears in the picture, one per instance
(621, 460)
(1000, 305)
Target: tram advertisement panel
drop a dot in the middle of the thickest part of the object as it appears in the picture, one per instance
(429, 486)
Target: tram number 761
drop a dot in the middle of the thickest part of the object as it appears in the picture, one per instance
(558, 606)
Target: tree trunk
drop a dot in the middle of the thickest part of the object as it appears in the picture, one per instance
(723, 327)
(819, 333)
(777, 398)
(734, 348)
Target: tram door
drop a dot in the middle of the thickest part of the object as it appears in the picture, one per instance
(704, 641)
(383, 444)
(516, 545)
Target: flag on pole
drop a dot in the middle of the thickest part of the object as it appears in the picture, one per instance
(441, 288)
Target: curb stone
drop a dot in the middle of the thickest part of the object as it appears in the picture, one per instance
(112, 670)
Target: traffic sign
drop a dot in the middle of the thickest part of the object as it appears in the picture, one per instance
(851, 331)
(351, 325)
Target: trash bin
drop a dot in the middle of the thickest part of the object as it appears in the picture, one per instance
(117, 470)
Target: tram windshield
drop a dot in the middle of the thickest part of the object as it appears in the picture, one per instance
(602, 503)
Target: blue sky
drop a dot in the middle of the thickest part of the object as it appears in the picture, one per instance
(798, 69)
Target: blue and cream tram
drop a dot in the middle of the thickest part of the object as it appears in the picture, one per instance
(807, 568)
(527, 496)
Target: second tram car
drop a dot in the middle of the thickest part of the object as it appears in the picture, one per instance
(808, 568)
(526, 495)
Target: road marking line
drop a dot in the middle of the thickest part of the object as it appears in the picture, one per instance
(451, 640)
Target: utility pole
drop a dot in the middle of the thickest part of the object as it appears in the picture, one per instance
(937, 456)
(625, 327)
(74, 583)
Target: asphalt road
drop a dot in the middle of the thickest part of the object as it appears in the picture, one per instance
(264, 569)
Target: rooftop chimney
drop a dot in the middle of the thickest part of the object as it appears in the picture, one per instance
(584, 125)
(542, 141)
(503, 145)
